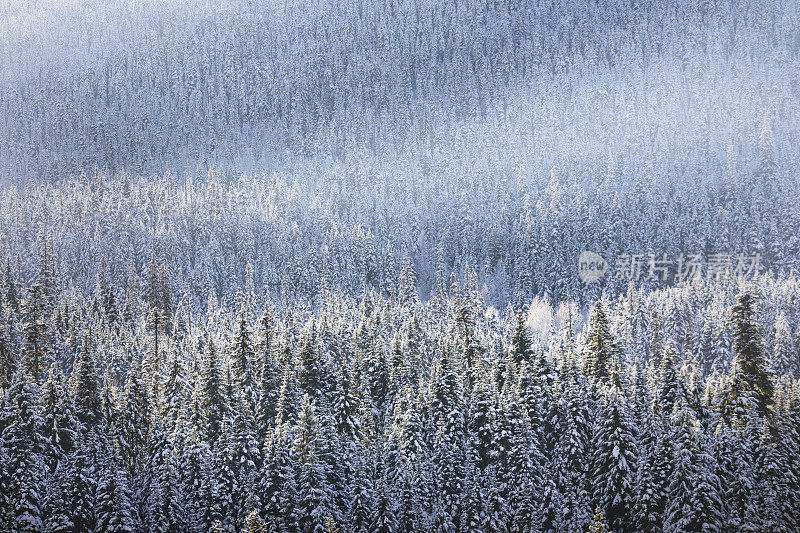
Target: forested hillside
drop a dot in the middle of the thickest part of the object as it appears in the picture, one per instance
(314, 266)
(669, 409)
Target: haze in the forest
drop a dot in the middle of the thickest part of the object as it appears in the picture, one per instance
(399, 265)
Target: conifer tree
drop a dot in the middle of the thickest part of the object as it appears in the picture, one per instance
(694, 491)
(25, 468)
(345, 408)
(614, 461)
(37, 350)
(59, 425)
(276, 484)
(86, 387)
(751, 379)
(213, 404)
(309, 372)
(243, 361)
(601, 347)
(114, 509)
(361, 503)
(521, 349)
(57, 517)
(134, 422)
(383, 518)
(163, 505)
(80, 482)
(667, 384)
(314, 499)
(481, 425)
(8, 363)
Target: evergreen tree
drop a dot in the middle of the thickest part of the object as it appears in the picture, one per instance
(37, 350)
(614, 461)
(57, 517)
(8, 363)
(86, 387)
(163, 502)
(288, 398)
(361, 503)
(345, 409)
(134, 422)
(694, 491)
(314, 499)
(114, 509)
(276, 484)
(210, 394)
(242, 361)
(79, 480)
(59, 425)
(25, 467)
(480, 425)
(783, 360)
(521, 349)
(601, 347)
(667, 384)
(174, 391)
(751, 379)
(383, 515)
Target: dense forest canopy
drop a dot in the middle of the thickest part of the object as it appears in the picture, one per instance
(313, 266)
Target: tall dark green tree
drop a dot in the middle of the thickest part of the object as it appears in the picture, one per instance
(614, 459)
(85, 385)
(114, 508)
(315, 500)
(37, 349)
(694, 489)
(24, 471)
(751, 380)
(243, 360)
(601, 348)
(59, 425)
(210, 394)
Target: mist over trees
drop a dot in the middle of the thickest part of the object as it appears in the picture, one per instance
(313, 266)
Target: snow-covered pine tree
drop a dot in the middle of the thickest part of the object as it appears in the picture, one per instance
(601, 347)
(114, 510)
(694, 502)
(751, 379)
(614, 460)
(24, 471)
(314, 499)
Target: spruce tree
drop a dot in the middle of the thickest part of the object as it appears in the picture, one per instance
(314, 498)
(614, 461)
(57, 517)
(24, 471)
(480, 424)
(59, 425)
(79, 480)
(37, 350)
(601, 347)
(242, 361)
(750, 374)
(309, 371)
(86, 387)
(521, 348)
(694, 490)
(114, 508)
(667, 384)
(210, 394)
(134, 422)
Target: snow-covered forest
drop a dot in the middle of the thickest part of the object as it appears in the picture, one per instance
(313, 266)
